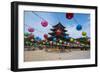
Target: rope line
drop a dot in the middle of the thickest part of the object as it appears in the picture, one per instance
(40, 17)
(50, 24)
(34, 28)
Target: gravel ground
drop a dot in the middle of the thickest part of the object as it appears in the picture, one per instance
(41, 55)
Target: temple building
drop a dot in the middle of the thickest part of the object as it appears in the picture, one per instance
(58, 32)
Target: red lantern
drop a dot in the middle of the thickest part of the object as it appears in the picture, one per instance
(45, 36)
(58, 32)
(30, 29)
(44, 23)
(31, 36)
(69, 15)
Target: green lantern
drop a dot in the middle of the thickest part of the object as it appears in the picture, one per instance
(72, 40)
(26, 34)
(26, 42)
(40, 45)
(35, 45)
(25, 37)
(30, 44)
(58, 44)
(84, 33)
(47, 43)
(60, 41)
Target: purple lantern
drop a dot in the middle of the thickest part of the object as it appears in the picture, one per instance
(30, 29)
(44, 23)
(69, 15)
(45, 36)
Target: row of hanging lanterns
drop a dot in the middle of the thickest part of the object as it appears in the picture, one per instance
(44, 23)
(70, 16)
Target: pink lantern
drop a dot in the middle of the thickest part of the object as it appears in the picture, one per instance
(78, 42)
(45, 36)
(30, 29)
(69, 15)
(51, 43)
(44, 23)
(68, 44)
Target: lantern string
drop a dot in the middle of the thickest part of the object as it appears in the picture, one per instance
(76, 20)
(62, 24)
(40, 17)
(45, 20)
(70, 26)
(58, 19)
(34, 28)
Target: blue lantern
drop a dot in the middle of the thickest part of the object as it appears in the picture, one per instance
(38, 38)
(67, 37)
(79, 27)
(54, 39)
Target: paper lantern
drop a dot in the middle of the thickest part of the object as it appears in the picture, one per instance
(31, 44)
(64, 42)
(67, 37)
(37, 38)
(84, 33)
(32, 40)
(54, 39)
(77, 42)
(30, 29)
(54, 43)
(26, 34)
(44, 23)
(58, 44)
(35, 44)
(68, 44)
(69, 15)
(60, 41)
(45, 36)
(27, 42)
(72, 40)
(47, 43)
(31, 36)
(79, 27)
(51, 42)
(43, 42)
(25, 37)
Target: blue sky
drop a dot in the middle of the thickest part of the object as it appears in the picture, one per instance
(34, 21)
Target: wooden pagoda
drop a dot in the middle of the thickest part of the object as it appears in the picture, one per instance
(58, 32)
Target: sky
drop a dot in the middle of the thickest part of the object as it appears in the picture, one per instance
(33, 19)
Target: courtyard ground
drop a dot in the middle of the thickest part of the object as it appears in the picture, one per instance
(42, 55)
